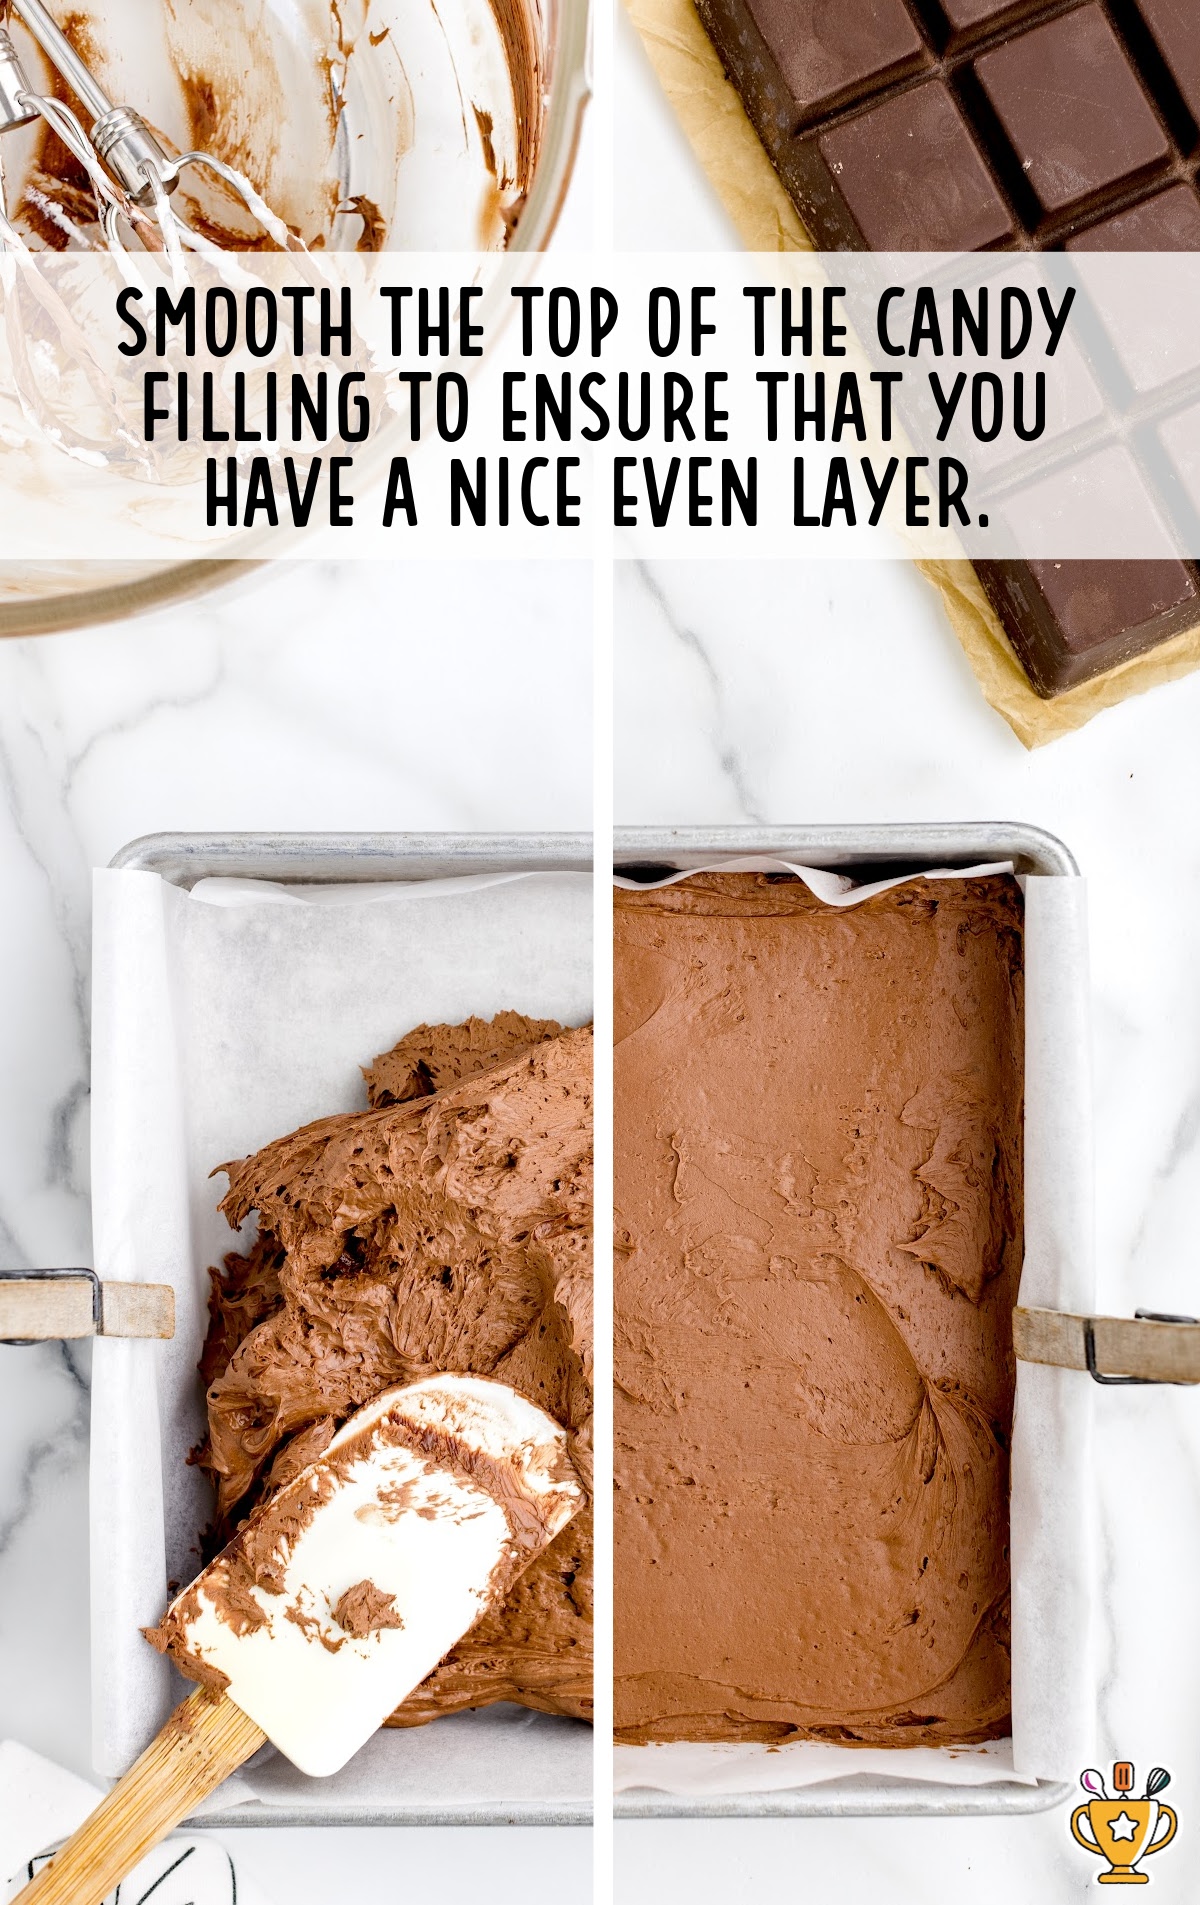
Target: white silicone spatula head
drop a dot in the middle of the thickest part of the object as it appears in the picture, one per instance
(335, 1600)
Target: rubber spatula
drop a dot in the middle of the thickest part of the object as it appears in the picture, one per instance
(334, 1601)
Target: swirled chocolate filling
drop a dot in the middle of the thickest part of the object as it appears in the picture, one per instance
(818, 1200)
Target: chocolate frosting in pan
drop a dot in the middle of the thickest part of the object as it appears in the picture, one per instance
(431, 1057)
(446, 1229)
(818, 1192)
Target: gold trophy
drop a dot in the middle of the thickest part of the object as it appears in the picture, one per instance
(1123, 1830)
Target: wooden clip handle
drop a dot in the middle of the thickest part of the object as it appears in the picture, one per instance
(1125, 1346)
(56, 1309)
(205, 1740)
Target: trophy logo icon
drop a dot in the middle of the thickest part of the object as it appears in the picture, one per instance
(1123, 1830)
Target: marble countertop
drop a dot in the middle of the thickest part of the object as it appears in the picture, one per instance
(837, 693)
(349, 696)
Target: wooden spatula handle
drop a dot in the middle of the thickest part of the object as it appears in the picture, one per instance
(205, 1740)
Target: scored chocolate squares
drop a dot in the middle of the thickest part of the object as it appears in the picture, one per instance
(993, 125)
(968, 125)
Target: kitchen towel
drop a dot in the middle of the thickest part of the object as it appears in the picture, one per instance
(41, 1804)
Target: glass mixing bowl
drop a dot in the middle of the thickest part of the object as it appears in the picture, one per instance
(423, 173)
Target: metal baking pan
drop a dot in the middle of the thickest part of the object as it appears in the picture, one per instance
(502, 1739)
(342, 858)
(863, 850)
(866, 851)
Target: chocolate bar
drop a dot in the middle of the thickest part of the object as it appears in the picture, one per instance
(1071, 621)
(994, 125)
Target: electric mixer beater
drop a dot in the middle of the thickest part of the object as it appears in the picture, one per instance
(131, 176)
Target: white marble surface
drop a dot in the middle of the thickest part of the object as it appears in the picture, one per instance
(354, 696)
(835, 693)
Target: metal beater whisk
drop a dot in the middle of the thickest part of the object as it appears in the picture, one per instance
(131, 176)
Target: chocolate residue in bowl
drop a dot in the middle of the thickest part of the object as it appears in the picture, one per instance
(57, 183)
(247, 110)
(523, 55)
(497, 204)
(268, 99)
(218, 105)
(374, 231)
(485, 122)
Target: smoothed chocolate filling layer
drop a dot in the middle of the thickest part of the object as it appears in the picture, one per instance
(818, 1200)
